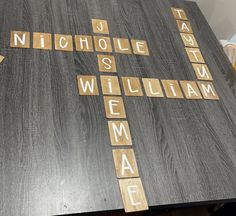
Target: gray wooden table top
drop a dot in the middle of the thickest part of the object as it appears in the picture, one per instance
(55, 154)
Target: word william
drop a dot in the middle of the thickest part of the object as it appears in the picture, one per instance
(83, 43)
(87, 85)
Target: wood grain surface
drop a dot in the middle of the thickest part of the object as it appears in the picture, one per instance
(55, 151)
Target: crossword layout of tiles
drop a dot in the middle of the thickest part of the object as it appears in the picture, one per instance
(126, 167)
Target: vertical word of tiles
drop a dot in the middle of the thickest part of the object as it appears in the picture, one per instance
(125, 164)
(193, 51)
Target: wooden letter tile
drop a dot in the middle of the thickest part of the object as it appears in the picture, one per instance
(42, 41)
(208, 91)
(122, 45)
(133, 195)
(20, 39)
(189, 40)
(202, 72)
(179, 13)
(114, 107)
(125, 163)
(140, 47)
(119, 133)
(63, 42)
(152, 87)
(106, 63)
(172, 89)
(190, 89)
(132, 86)
(195, 55)
(1, 58)
(84, 43)
(100, 26)
(110, 85)
(87, 85)
(184, 26)
(102, 44)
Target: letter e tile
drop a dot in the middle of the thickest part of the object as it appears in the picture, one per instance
(140, 47)
(184, 26)
(114, 107)
(133, 195)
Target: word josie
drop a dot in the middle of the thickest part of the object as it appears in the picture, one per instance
(126, 166)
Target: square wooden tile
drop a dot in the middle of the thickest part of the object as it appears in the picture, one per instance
(42, 40)
(1, 58)
(189, 40)
(119, 133)
(106, 63)
(208, 91)
(140, 47)
(152, 87)
(202, 71)
(125, 163)
(133, 195)
(179, 13)
(110, 85)
(84, 43)
(195, 55)
(132, 86)
(87, 85)
(20, 39)
(122, 45)
(63, 42)
(190, 89)
(102, 44)
(172, 89)
(184, 26)
(100, 26)
(114, 107)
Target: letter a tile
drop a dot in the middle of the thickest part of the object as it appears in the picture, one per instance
(190, 89)
(125, 163)
(184, 26)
